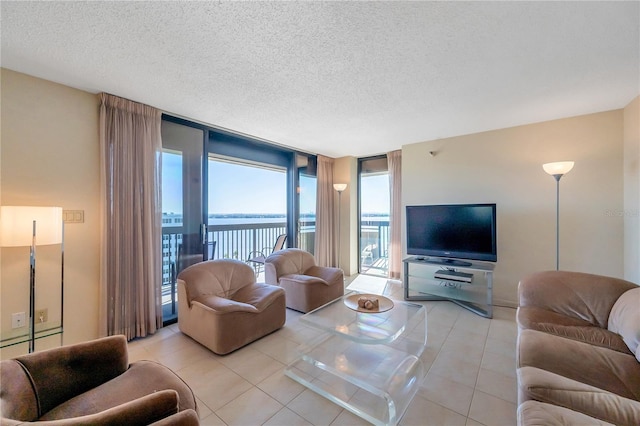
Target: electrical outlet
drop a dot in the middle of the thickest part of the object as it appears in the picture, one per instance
(42, 315)
(18, 320)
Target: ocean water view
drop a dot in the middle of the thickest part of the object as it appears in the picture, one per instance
(173, 219)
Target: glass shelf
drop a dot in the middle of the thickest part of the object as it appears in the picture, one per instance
(22, 334)
(420, 283)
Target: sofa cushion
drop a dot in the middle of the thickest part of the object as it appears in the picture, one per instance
(544, 386)
(603, 368)
(624, 319)
(534, 413)
(536, 318)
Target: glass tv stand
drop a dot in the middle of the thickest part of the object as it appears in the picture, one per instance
(470, 286)
(368, 363)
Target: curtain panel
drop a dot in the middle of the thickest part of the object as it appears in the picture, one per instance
(325, 250)
(394, 164)
(131, 252)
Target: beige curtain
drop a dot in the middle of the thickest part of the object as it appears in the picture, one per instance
(131, 257)
(325, 250)
(394, 164)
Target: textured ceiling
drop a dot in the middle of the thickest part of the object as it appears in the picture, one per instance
(338, 78)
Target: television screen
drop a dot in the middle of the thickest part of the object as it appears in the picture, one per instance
(456, 231)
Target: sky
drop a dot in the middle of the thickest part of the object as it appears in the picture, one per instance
(235, 188)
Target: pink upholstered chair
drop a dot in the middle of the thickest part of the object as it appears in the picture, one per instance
(307, 285)
(221, 306)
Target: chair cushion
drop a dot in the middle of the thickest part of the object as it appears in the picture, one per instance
(624, 319)
(132, 384)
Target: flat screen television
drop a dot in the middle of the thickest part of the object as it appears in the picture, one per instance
(452, 232)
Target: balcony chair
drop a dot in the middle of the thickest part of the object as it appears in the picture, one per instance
(221, 306)
(256, 258)
(307, 285)
(92, 383)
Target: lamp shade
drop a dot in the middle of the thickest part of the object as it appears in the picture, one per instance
(16, 225)
(558, 168)
(339, 186)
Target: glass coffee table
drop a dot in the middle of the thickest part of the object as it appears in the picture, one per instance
(368, 363)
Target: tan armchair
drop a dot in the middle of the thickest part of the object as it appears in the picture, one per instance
(221, 306)
(307, 285)
(92, 383)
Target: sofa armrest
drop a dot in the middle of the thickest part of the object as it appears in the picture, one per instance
(574, 294)
(141, 411)
(59, 374)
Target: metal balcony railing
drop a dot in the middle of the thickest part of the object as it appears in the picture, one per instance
(238, 241)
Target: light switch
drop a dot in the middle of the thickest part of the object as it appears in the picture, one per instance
(73, 216)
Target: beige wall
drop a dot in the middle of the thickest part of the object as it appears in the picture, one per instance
(505, 167)
(50, 156)
(631, 210)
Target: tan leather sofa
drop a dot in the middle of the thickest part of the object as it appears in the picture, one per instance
(221, 306)
(92, 383)
(307, 285)
(578, 354)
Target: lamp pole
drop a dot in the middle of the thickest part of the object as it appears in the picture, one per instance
(557, 170)
(340, 187)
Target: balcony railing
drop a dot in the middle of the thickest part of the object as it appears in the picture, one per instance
(238, 241)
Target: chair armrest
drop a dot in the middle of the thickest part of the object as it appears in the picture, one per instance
(574, 294)
(183, 418)
(222, 305)
(302, 279)
(141, 411)
(59, 374)
(259, 295)
(328, 274)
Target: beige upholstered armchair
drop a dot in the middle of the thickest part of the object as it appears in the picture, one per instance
(307, 285)
(92, 383)
(221, 306)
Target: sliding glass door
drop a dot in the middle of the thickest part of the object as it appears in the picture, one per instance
(374, 202)
(182, 207)
(228, 196)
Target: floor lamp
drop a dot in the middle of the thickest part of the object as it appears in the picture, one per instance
(19, 225)
(340, 187)
(557, 170)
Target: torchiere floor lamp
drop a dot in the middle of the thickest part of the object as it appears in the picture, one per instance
(340, 187)
(557, 170)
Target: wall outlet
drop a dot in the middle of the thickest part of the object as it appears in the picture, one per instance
(42, 315)
(19, 319)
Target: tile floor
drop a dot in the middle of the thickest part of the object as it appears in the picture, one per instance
(470, 380)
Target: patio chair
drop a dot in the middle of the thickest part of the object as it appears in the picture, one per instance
(256, 258)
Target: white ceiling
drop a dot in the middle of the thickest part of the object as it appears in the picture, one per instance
(338, 78)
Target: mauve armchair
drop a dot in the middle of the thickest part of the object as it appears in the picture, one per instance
(221, 306)
(307, 285)
(92, 383)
